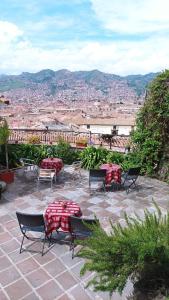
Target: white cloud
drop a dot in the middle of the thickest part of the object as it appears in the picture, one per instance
(9, 32)
(133, 16)
(17, 54)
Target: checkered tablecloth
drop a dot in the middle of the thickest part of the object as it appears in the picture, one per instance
(113, 173)
(57, 215)
(52, 163)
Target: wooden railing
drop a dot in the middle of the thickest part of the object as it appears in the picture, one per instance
(53, 136)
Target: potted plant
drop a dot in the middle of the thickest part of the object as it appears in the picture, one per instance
(82, 142)
(5, 174)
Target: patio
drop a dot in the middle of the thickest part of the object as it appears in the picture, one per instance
(56, 276)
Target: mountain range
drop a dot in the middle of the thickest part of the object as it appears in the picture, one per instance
(65, 85)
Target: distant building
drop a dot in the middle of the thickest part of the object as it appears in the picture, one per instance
(107, 126)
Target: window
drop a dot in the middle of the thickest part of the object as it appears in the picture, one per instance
(88, 126)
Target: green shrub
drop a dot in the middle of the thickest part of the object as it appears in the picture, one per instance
(115, 158)
(139, 251)
(38, 152)
(64, 151)
(93, 157)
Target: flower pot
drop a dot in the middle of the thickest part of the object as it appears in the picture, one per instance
(7, 176)
(81, 145)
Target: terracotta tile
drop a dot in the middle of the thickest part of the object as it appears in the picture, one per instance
(4, 237)
(5, 218)
(80, 293)
(28, 265)
(1, 253)
(4, 262)
(49, 291)
(44, 259)
(64, 297)
(1, 229)
(60, 250)
(68, 261)
(38, 277)
(10, 246)
(8, 276)
(18, 289)
(3, 296)
(55, 267)
(17, 257)
(31, 296)
(66, 280)
(11, 224)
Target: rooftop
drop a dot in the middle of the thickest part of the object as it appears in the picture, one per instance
(55, 275)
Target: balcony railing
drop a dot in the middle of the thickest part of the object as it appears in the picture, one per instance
(53, 136)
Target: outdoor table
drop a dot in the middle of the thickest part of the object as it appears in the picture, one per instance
(57, 215)
(113, 172)
(52, 163)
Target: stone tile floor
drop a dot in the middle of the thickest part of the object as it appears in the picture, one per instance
(56, 276)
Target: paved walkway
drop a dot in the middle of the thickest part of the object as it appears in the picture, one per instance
(55, 275)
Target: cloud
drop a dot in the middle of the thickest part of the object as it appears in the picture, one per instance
(132, 17)
(9, 32)
(18, 54)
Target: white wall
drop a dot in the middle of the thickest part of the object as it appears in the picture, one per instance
(107, 129)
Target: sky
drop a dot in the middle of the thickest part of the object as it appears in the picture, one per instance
(122, 37)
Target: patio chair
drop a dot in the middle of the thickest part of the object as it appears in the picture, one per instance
(32, 223)
(28, 165)
(129, 178)
(80, 229)
(97, 176)
(46, 175)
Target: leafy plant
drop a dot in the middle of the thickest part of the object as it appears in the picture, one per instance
(93, 157)
(4, 135)
(38, 152)
(139, 251)
(115, 157)
(150, 139)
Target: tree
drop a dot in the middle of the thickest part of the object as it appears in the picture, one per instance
(151, 136)
(4, 135)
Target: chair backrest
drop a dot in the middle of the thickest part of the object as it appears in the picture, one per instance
(47, 173)
(100, 174)
(76, 165)
(27, 161)
(30, 220)
(81, 224)
(134, 171)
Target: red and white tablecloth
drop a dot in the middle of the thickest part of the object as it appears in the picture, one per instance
(113, 172)
(57, 215)
(52, 163)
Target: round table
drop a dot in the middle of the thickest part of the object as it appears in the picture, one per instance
(113, 172)
(57, 215)
(52, 163)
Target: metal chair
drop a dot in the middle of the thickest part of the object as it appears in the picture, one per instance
(46, 175)
(97, 176)
(80, 229)
(32, 223)
(28, 165)
(129, 178)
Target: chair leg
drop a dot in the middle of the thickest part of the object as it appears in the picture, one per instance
(20, 251)
(43, 246)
